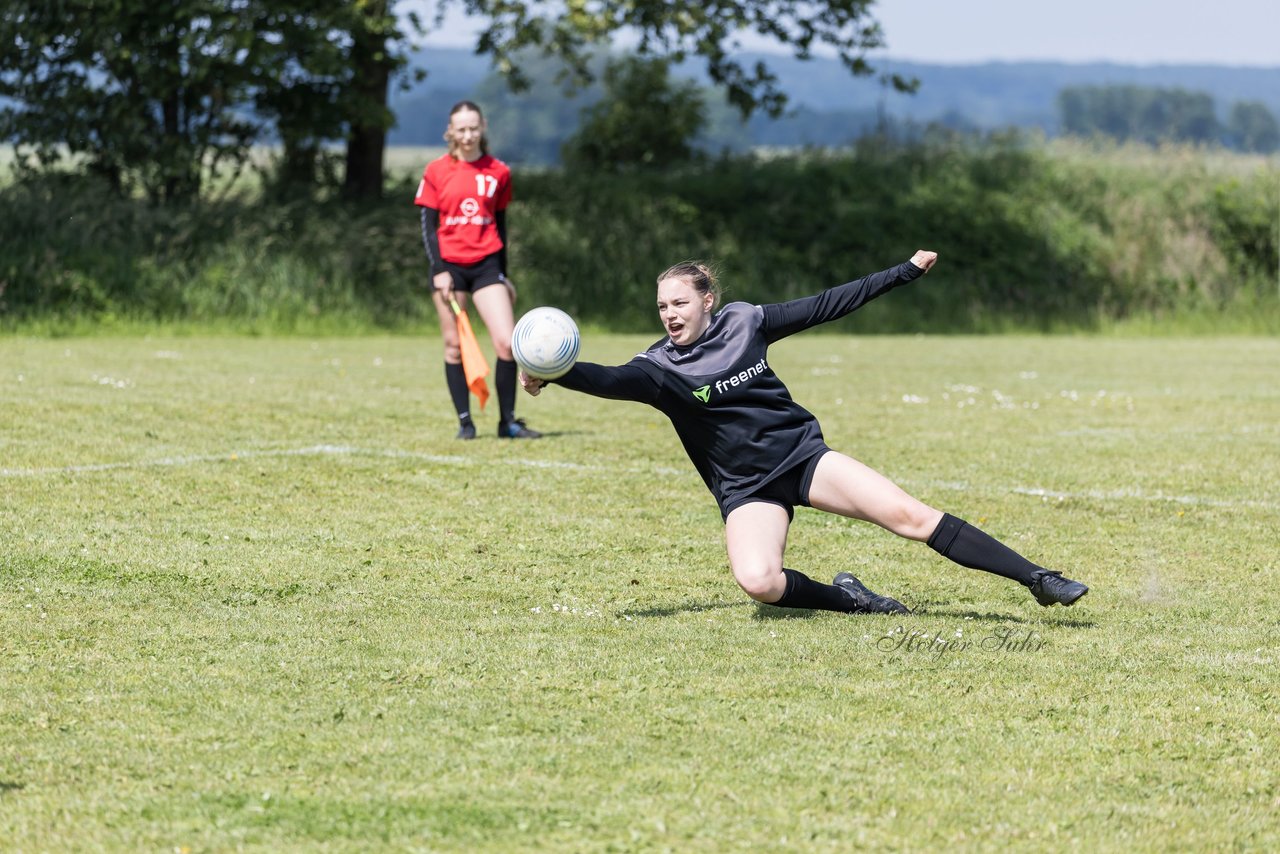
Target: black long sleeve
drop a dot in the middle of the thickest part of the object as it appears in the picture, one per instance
(500, 219)
(431, 239)
(787, 318)
(635, 380)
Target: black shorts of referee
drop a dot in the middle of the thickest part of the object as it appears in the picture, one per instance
(472, 277)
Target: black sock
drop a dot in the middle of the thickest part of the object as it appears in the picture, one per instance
(456, 379)
(969, 546)
(504, 377)
(803, 592)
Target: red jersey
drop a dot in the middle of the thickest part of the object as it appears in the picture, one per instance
(468, 196)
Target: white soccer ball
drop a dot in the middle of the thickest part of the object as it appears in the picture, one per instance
(545, 343)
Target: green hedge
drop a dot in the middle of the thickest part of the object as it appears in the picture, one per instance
(1031, 237)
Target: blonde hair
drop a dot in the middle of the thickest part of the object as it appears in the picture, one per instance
(701, 276)
(448, 137)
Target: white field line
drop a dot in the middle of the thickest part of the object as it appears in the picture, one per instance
(312, 451)
(1139, 495)
(1129, 494)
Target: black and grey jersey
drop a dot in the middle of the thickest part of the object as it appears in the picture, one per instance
(735, 417)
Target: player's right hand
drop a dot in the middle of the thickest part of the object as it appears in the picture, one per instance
(444, 284)
(533, 385)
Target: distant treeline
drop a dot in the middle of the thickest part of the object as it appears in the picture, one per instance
(1233, 107)
(1148, 115)
(1031, 238)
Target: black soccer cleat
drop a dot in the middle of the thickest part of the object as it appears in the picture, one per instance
(516, 429)
(866, 602)
(1049, 587)
(466, 430)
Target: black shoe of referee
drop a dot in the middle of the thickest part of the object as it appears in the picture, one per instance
(1050, 588)
(516, 429)
(865, 601)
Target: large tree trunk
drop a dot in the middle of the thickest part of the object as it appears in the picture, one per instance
(364, 162)
(370, 119)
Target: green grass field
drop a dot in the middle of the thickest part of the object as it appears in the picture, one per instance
(254, 596)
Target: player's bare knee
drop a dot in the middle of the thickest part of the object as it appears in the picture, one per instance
(919, 522)
(759, 581)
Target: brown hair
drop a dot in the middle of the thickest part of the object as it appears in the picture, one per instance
(701, 276)
(448, 137)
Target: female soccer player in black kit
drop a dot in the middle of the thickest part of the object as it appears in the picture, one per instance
(761, 454)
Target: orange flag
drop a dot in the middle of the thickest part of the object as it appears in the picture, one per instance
(474, 365)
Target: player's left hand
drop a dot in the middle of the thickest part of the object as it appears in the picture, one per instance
(924, 259)
(511, 289)
(533, 385)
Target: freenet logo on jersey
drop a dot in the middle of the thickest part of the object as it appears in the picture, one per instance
(704, 394)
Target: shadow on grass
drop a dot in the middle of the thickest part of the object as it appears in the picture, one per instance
(687, 607)
(1067, 622)
(1072, 623)
(932, 611)
(9, 786)
(769, 612)
(546, 434)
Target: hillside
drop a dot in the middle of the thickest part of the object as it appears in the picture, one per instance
(986, 96)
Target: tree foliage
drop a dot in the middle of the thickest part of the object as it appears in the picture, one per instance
(1139, 113)
(1252, 127)
(644, 119)
(678, 30)
(153, 95)
(1154, 115)
(144, 93)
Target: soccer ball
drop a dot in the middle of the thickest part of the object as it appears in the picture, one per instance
(545, 343)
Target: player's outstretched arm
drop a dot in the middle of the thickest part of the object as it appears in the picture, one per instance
(787, 318)
(623, 382)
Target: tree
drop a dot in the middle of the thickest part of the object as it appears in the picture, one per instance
(334, 64)
(145, 93)
(301, 90)
(368, 117)
(642, 119)
(531, 126)
(678, 30)
(152, 93)
(1252, 127)
(674, 29)
(1139, 113)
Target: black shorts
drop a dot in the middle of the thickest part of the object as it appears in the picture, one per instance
(472, 277)
(788, 490)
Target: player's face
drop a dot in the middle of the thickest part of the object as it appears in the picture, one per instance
(684, 312)
(465, 129)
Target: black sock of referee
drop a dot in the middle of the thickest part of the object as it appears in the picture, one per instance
(456, 380)
(504, 377)
(803, 592)
(969, 546)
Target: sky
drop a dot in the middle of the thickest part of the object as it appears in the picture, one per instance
(1130, 32)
